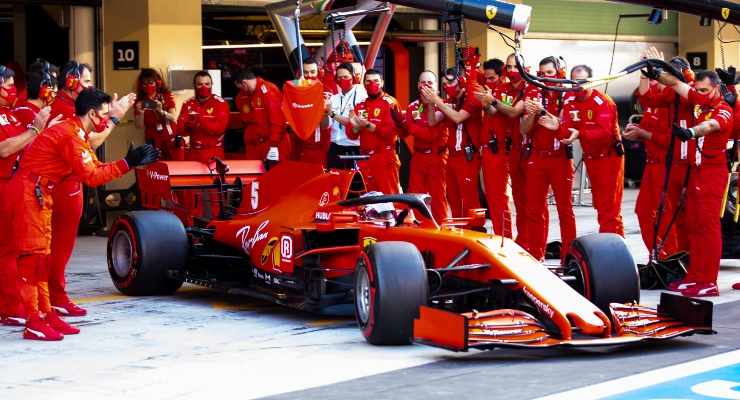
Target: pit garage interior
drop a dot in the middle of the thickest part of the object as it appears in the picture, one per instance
(199, 342)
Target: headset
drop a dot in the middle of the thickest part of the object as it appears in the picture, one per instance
(686, 69)
(46, 87)
(72, 80)
(561, 73)
(2, 73)
(355, 77)
(459, 76)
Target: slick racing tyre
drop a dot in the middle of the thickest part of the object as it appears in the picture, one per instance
(142, 246)
(390, 285)
(604, 268)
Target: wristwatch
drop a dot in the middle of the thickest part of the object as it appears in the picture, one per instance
(543, 112)
(332, 115)
(114, 120)
(367, 126)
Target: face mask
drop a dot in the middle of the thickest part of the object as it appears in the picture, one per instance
(12, 95)
(492, 85)
(203, 91)
(150, 90)
(372, 88)
(514, 76)
(313, 78)
(100, 127)
(345, 83)
(703, 100)
(551, 84)
(581, 92)
(452, 90)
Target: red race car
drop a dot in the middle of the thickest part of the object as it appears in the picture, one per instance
(314, 240)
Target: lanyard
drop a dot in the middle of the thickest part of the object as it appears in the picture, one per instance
(344, 107)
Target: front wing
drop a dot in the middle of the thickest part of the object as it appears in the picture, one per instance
(675, 316)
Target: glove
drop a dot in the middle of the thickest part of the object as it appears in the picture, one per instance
(272, 155)
(192, 124)
(683, 134)
(727, 77)
(651, 73)
(142, 155)
(397, 117)
(729, 96)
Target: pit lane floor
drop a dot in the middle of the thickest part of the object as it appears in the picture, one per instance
(201, 343)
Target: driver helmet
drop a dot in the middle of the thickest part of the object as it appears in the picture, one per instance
(380, 211)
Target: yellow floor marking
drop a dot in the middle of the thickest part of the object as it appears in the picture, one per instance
(330, 322)
(252, 306)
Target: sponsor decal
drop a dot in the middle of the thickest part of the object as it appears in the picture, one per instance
(335, 191)
(367, 241)
(725, 12)
(376, 112)
(248, 241)
(296, 105)
(268, 249)
(575, 115)
(538, 303)
(286, 248)
(324, 199)
(245, 108)
(86, 157)
(590, 114)
(322, 216)
(157, 176)
(209, 110)
(259, 100)
(491, 11)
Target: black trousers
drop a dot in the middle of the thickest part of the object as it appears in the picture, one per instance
(337, 150)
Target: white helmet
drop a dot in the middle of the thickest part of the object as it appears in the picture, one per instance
(380, 211)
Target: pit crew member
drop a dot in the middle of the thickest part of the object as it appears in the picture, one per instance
(260, 105)
(314, 149)
(204, 118)
(60, 151)
(371, 122)
(548, 165)
(591, 117)
(337, 115)
(14, 137)
(159, 123)
(708, 178)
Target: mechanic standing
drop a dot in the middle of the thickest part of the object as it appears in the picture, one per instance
(67, 195)
(260, 105)
(653, 132)
(337, 114)
(204, 118)
(502, 153)
(39, 94)
(14, 137)
(371, 121)
(708, 179)
(314, 149)
(62, 150)
(160, 122)
(463, 114)
(425, 122)
(591, 117)
(548, 164)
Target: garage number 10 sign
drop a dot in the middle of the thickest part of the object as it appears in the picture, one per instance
(125, 55)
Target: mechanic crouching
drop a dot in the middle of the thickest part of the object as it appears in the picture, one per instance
(57, 153)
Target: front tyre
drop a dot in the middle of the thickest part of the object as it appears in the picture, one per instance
(605, 270)
(390, 285)
(142, 246)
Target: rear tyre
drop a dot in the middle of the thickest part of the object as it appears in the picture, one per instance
(142, 246)
(390, 285)
(604, 268)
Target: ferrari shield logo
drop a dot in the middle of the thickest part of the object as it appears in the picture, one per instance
(725, 13)
(210, 110)
(590, 114)
(245, 108)
(491, 11)
(367, 241)
(377, 112)
(259, 101)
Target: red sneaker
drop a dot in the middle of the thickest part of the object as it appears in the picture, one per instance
(69, 309)
(18, 320)
(702, 289)
(58, 323)
(680, 286)
(38, 329)
(736, 286)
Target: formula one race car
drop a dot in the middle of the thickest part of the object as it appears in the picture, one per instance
(314, 240)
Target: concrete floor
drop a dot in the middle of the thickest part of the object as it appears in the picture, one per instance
(201, 343)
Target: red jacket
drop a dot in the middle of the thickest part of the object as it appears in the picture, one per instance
(154, 125)
(25, 112)
(262, 113)
(595, 118)
(711, 147)
(456, 138)
(499, 125)
(10, 127)
(213, 115)
(544, 139)
(62, 104)
(377, 111)
(417, 125)
(62, 150)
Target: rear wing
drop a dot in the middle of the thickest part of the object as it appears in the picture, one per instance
(157, 181)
